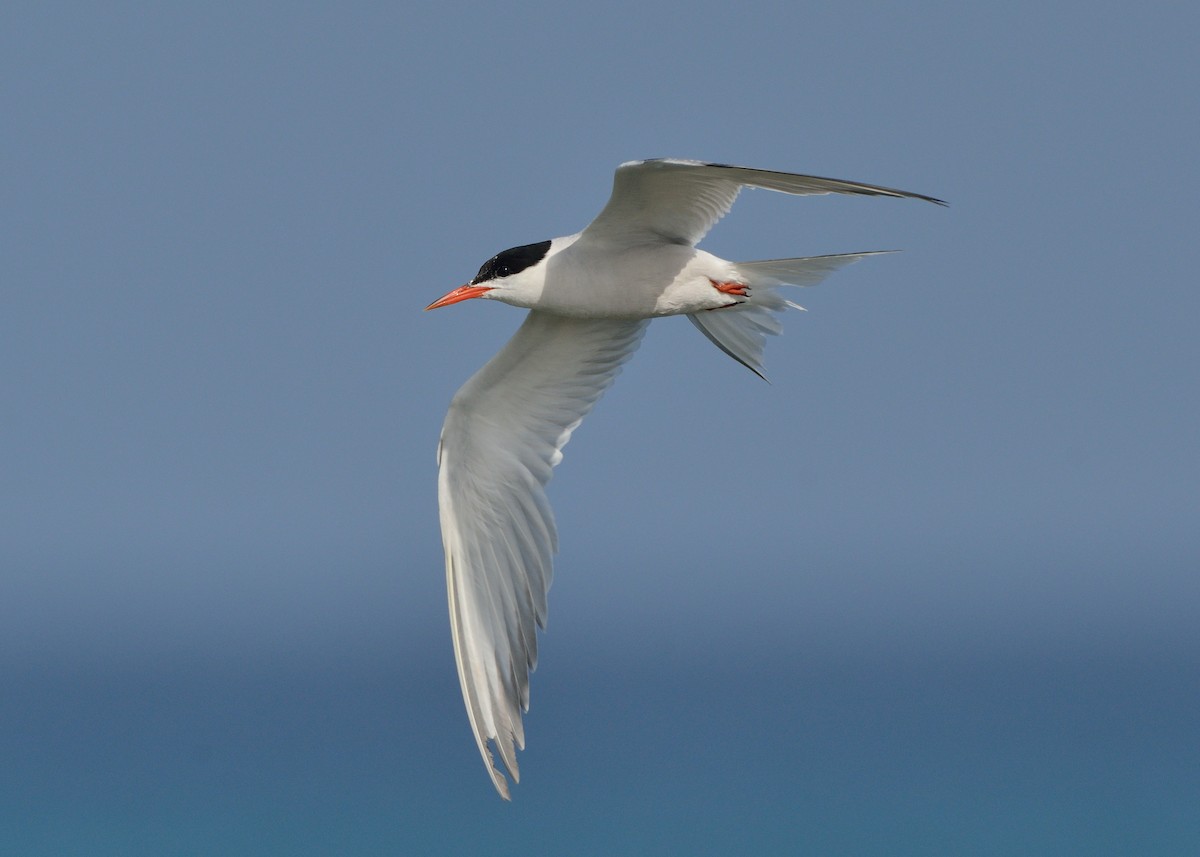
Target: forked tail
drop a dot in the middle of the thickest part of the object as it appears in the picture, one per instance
(741, 331)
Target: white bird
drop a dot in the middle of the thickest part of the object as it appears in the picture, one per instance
(590, 297)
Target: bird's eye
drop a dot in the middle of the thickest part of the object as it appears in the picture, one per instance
(502, 271)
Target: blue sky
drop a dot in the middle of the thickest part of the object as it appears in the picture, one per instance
(223, 224)
(222, 397)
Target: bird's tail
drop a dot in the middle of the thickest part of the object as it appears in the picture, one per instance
(741, 331)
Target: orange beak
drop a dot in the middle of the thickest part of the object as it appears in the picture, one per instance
(462, 293)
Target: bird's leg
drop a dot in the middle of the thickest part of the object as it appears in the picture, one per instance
(731, 288)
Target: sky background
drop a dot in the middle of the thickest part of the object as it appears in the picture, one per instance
(959, 527)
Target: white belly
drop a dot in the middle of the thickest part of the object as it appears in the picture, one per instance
(638, 282)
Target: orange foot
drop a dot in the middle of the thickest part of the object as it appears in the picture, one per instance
(739, 289)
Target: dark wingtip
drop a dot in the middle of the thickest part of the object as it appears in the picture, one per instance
(904, 194)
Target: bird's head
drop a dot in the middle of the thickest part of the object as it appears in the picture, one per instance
(515, 277)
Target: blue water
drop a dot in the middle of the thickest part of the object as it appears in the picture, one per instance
(1093, 756)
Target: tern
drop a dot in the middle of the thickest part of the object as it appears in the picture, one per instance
(590, 297)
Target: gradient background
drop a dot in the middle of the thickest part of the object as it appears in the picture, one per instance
(932, 591)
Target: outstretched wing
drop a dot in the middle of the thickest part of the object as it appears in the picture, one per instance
(678, 201)
(503, 435)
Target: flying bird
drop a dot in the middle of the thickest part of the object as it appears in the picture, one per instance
(590, 297)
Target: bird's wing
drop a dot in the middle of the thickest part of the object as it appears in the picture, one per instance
(503, 434)
(678, 201)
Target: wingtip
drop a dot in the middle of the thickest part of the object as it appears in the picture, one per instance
(499, 781)
(932, 199)
(907, 194)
